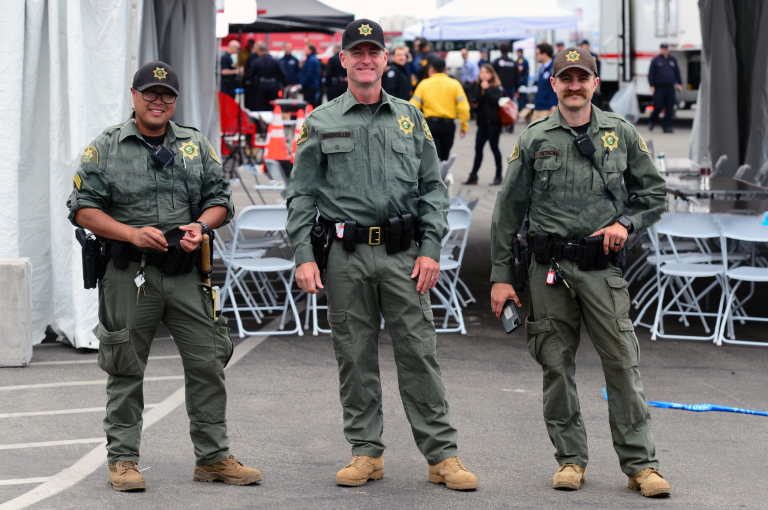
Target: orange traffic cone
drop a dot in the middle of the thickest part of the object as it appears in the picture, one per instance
(297, 133)
(277, 147)
(309, 110)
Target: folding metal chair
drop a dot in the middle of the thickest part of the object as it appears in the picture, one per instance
(459, 221)
(261, 218)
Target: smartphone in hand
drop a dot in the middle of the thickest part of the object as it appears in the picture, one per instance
(509, 317)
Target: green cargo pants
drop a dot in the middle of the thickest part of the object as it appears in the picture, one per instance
(125, 333)
(360, 286)
(553, 328)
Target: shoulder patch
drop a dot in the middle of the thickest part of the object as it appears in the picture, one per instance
(90, 155)
(303, 134)
(641, 143)
(427, 132)
(538, 120)
(515, 153)
(213, 154)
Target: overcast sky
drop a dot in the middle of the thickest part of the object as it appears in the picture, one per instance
(377, 9)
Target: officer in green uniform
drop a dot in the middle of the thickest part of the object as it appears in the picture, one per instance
(126, 196)
(567, 200)
(367, 162)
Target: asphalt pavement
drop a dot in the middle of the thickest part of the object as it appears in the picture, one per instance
(285, 419)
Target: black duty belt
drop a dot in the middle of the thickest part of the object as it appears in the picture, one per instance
(589, 253)
(396, 234)
(369, 235)
(438, 119)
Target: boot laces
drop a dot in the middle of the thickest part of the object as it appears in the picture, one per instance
(123, 467)
(358, 461)
(569, 465)
(456, 464)
(232, 461)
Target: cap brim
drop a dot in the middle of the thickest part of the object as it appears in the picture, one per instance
(146, 86)
(359, 41)
(587, 69)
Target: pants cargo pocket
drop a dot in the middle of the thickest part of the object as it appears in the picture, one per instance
(542, 343)
(116, 354)
(619, 295)
(630, 348)
(428, 335)
(205, 292)
(342, 339)
(223, 342)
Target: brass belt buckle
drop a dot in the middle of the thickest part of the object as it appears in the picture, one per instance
(371, 232)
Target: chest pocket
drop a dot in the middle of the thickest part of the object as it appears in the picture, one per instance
(191, 177)
(343, 161)
(404, 160)
(550, 171)
(613, 168)
(129, 180)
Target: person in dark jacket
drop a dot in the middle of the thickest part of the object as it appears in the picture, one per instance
(335, 76)
(664, 77)
(424, 60)
(396, 81)
(309, 77)
(584, 45)
(265, 79)
(230, 70)
(506, 69)
(484, 98)
(290, 65)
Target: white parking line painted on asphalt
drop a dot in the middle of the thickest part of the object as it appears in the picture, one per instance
(45, 444)
(95, 459)
(94, 360)
(81, 383)
(22, 481)
(62, 411)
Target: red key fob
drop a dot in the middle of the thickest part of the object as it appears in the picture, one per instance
(551, 278)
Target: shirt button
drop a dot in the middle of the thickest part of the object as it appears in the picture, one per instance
(407, 149)
(337, 146)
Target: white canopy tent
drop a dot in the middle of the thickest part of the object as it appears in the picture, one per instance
(68, 66)
(491, 20)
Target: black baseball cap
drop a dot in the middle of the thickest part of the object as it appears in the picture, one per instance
(360, 31)
(664, 45)
(574, 57)
(156, 73)
(559, 43)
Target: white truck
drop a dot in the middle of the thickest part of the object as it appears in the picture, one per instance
(630, 34)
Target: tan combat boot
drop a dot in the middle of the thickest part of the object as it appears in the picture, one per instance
(360, 470)
(650, 483)
(125, 476)
(229, 470)
(568, 477)
(453, 474)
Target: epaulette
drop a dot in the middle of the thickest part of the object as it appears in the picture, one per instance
(617, 116)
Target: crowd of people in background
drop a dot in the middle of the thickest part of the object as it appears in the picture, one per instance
(418, 76)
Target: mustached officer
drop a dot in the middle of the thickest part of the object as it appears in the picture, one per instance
(368, 163)
(151, 189)
(567, 170)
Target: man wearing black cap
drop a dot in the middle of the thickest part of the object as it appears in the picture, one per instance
(664, 77)
(559, 46)
(566, 171)
(151, 188)
(367, 162)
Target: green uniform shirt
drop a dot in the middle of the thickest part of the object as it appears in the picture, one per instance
(566, 196)
(354, 166)
(117, 175)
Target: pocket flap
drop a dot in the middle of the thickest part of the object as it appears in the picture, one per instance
(337, 317)
(336, 145)
(534, 328)
(625, 324)
(616, 282)
(548, 158)
(429, 315)
(403, 147)
(111, 338)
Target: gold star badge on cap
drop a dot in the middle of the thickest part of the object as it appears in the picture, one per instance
(406, 126)
(610, 140)
(365, 30)
(573, 56)
(188, 150)
(160, 73)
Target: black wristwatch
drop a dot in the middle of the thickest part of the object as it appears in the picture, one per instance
(205, 227)
(626, 223)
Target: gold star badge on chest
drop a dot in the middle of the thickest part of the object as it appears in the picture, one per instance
(160, 73)
(188, 150)
(406, 126)
(573, 56)
(365, 30)
(610, 140)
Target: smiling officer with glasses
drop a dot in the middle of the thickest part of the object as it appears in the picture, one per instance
(151, 188)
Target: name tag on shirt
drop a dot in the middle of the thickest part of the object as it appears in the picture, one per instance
(338, 134)
(546, 154)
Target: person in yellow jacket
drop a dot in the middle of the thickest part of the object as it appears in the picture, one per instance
(442, 99)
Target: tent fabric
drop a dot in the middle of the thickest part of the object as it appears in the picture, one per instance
(63, 62)
(491, 20)
(296, 15)
(722, 124)
(67, 67)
